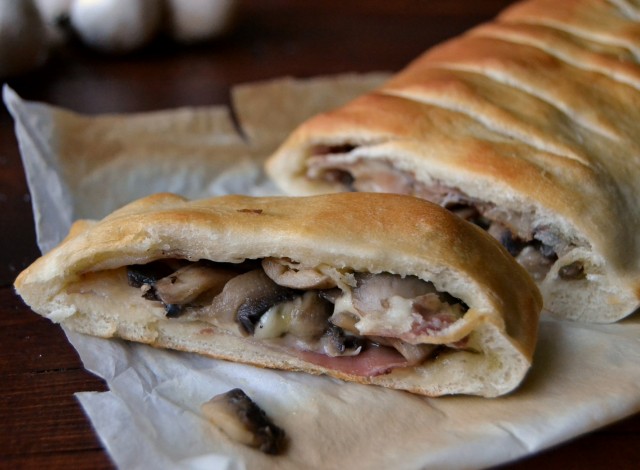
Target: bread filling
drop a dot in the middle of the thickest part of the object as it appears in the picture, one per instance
(360, 323)
(536, 248)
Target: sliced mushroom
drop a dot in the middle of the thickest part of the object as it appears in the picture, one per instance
(245, 298)
(145, 276)
(173, 310)
(501, 233)
(290, 274)
(336, 343)
(187, 283)
(311, 317)
(414, 353)
(250, 311)
(553, 244)
(355, 174)
(345, 320)
(535, 262)
(330, 295)
(244, 421)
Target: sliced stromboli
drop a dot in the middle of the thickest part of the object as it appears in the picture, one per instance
(378, 289)
(527, 127)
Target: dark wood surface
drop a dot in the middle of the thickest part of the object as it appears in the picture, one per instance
(41, 423)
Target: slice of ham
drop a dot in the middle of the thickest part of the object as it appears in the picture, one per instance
(375, 360)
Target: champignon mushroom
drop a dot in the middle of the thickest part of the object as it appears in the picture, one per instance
(330, 295)
(311, 317)
(241, 419)
(345, 320)
(145, 277)
(501, 233)
(535, 262)
(188, 282)
(336, 343)
(290, 274)
(414, 353)
(305, 316)
(252, 309)
(245, 298)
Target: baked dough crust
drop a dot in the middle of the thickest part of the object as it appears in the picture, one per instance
(537, 112)
(359, 232)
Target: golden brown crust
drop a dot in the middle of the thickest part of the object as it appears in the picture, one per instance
(537, 112)
(604, 21)
(356, 231)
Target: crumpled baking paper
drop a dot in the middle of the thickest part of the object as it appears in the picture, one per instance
(584, 376)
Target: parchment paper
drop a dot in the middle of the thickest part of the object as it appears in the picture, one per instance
(583, 377)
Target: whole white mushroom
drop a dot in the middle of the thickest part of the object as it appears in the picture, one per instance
(190, 21)
(116, 26)
(54, 13)
(22, 37)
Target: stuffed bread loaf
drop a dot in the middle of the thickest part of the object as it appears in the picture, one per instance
(378, 289)
(527, 126)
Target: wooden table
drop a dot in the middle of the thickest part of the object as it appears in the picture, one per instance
(41, 424)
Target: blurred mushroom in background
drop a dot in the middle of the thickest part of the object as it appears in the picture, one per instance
(192, 21)
(116, 26)
(55, 16)
(23, 43)
(30, 29)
